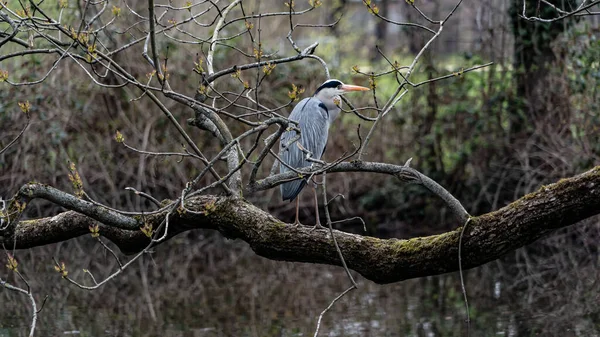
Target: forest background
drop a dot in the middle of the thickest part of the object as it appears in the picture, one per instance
(489, 136)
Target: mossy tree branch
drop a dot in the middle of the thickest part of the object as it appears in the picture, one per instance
(487, 237)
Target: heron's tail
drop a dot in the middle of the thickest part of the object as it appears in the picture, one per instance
(290, 190)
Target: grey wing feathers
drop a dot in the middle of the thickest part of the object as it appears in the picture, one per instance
(313, 123)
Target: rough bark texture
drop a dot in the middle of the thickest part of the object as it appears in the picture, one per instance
(486, 237)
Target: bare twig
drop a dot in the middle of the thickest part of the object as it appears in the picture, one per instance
(152, 35)
(404, 173)
(217, 29)
(577, 12)
(34, 310)
(460, 272)
(329, 307)
(17, 137)
(329, 224)
(145, 195)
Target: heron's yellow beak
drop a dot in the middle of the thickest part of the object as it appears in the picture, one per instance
(348, 87)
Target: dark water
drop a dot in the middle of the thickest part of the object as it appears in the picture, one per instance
(203, 285)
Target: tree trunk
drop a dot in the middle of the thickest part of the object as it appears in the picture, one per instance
(533, 60)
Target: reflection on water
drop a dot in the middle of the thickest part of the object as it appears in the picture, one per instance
(203, 285)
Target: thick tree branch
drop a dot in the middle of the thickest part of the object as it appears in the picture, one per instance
(487, 237)
(35, 190)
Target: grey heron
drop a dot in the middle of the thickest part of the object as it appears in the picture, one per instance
(314, 116)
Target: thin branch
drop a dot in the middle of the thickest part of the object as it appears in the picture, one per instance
(34, 310)
(152, 35)
(330, 306)
(215, 75)
(460, 272)
(405, 24)
(217, 29)
(576, 12)
(18, 136)
(329, 224)
(404, 173)
(269, 143)
(145, 195)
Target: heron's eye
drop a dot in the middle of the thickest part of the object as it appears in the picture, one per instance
(339, 87)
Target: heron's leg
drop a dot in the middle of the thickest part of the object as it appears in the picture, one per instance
(317, 220)
(297, 221)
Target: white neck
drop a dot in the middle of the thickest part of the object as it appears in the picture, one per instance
(329, 97)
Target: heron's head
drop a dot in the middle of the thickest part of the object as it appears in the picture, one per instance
(331, 89)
